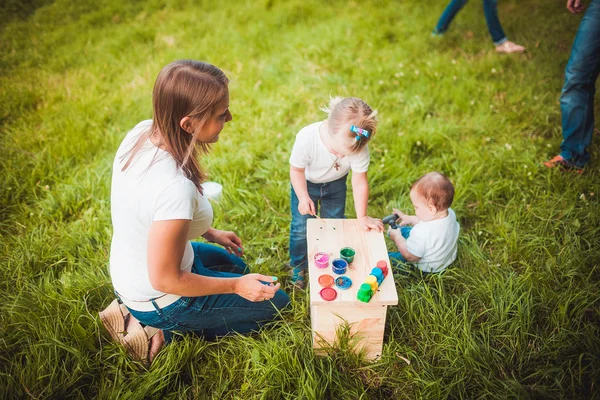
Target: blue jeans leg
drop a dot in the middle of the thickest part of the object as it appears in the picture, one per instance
(331, 198)
(216, 258)
(490, 10)
(215, 315)
(577, 97)
(448, 15)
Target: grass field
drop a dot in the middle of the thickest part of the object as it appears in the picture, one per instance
(517, 316)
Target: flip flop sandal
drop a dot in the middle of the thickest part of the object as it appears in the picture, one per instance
(137, 341)
(114, 317)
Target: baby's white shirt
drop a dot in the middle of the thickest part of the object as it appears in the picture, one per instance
(435, 242)
(309, 152)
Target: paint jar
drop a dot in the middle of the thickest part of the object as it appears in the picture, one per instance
(382, 265)
(347, 254)
(328, 294)
(372, 281)
(343, 282)
(338, 266)
(378, 273)
(364, 293)
(321, 260)
(326, 280)
(212, 190)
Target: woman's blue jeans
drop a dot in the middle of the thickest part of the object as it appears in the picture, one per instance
(491, 18)
(215, 315)
(331, 197)
(577, 97)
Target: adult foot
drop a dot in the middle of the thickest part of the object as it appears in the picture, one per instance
(156, 344)
(509, 47)
(559, 161)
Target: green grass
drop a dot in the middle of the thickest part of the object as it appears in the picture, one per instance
(518, 316)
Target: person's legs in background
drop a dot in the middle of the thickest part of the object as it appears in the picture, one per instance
(503, 45)
(577, 97)
(490, 10)
(448, 15)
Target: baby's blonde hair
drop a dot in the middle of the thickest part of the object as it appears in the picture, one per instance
(345, 112)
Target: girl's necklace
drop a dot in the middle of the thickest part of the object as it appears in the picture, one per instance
(336, 164)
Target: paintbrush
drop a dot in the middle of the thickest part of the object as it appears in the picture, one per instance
(315, 215)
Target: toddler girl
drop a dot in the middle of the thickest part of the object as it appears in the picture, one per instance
(322, 155)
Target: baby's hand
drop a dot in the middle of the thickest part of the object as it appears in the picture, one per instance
(306, 206)
(368, 223)
(392, 233)
(404, 218)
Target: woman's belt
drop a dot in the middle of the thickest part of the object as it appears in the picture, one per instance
(149, 305)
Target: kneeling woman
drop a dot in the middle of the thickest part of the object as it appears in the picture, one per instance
(163, 279)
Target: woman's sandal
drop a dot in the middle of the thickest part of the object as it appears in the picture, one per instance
(141, 343)
(114, 317)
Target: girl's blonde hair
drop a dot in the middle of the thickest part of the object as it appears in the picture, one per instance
(184, 88)
(345, 112)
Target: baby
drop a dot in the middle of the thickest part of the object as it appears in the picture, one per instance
(431, 242)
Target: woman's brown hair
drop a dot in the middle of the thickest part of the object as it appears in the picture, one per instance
(184, 88)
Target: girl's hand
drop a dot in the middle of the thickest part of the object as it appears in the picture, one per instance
(405, 219)
(368, 223)
(229, 240)
(306, 206)
(252, 288)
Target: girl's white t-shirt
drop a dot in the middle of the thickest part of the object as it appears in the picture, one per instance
(435, 242)
(152, 188)
(309, 152)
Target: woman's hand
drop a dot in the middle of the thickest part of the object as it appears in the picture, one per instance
(306, 206)
(368, 223)
(229, 240)
(406, 219)
(251, 287)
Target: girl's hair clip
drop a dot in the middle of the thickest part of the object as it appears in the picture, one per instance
(360, 132)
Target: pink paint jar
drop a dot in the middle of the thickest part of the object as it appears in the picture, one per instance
(321, 260)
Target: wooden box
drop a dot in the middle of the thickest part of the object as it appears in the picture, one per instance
(367, 320)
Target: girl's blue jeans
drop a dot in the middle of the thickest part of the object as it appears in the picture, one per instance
(577, 97)
(215, 315)
(330, 199)
(491, 18)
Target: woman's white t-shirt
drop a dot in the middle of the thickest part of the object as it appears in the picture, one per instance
(152, 188)
(309, 152)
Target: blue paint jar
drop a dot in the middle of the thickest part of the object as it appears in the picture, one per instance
(338, 266)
